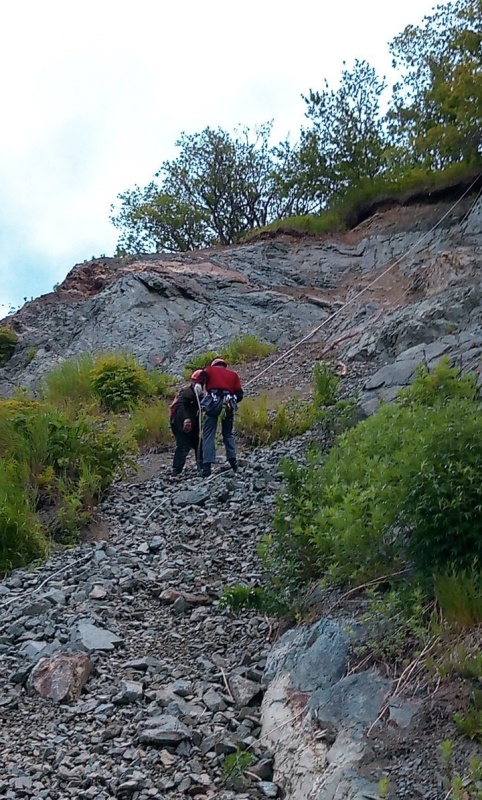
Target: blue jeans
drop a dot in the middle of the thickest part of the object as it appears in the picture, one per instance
(210, 425)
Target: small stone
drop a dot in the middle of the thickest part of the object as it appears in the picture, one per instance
(99, 592)
(267, 788)
(130, 692)
(243, 690)
(164, 731)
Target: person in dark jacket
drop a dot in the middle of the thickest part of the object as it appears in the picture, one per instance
(185, 424)
(223, 393)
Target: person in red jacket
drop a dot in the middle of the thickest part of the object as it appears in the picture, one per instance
(223, 393)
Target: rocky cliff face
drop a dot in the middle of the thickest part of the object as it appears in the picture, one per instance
(164, 308)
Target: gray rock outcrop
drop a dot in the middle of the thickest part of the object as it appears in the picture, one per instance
(409, 277)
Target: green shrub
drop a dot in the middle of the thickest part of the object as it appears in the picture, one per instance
(403, 486)
(442, 383)
(240, 350)
(70, 383)
(241, 598)
(459, 595)
(149, 424)
(199, 361)
(246, 348)
(325, 386)
(441, 510)
(119, 382)
(8, 340)
(234, 765)
(260, 425)
(51, 460)
(470, 724)
(21, 539)
(396, 622)
(162, 384)
(349, 207)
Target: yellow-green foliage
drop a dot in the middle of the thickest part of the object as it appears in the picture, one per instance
(403, 486)
(119, 382)
(345, 211)
(114, 380)
(459, 596)
(246, 348)
(198, 362)
(70, 383)
(47, 458)
(325, 386)
(149, 424)
(8, 340)
(240, 350)
(260, 424)
(21, 539)
(162, 384)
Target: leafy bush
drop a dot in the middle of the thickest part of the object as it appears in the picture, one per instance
(70, 383)
(260, 425)
(199, 361)
(325, 386)
(443, 383)
(239, 351)
(8, 340)
(234, 765)
(395, 622)
(246, 348)
(459, 595)
(470, 724)
(162, 384)
(21, 538)
(402, 486)
(119, 382)
(442, 506)
(48, 459)
(149, 424)
(240, 597)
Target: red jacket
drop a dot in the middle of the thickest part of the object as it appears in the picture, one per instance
(223, 379)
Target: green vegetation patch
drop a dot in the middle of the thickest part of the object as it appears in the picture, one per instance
(119, 382)
(8, 341)
(400, 488)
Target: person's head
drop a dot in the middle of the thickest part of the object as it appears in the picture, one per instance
(195, 376)
(218, 362)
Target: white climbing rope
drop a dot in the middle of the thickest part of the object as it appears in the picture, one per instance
(362, 291)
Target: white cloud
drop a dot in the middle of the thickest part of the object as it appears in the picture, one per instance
(97, 93)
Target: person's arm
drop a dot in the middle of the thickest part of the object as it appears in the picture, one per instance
(238, 390)
(199, 386)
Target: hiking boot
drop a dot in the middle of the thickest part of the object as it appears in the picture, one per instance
(175, 472)
(206, 470)
(234, 464)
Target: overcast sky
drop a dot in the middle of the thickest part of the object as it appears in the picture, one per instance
(94, 95)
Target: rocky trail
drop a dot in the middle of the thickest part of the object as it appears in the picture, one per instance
(176, 681)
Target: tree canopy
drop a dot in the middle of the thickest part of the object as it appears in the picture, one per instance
(222, 185)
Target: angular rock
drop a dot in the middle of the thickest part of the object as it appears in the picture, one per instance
(163, 731)
(62, 677)
(130, 692)
(94, 638)
(243, 690)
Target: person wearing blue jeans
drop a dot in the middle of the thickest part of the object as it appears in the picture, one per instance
(223, 393)
(210, 425)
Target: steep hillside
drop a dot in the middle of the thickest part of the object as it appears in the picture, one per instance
(405, 277)
(123, 673)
